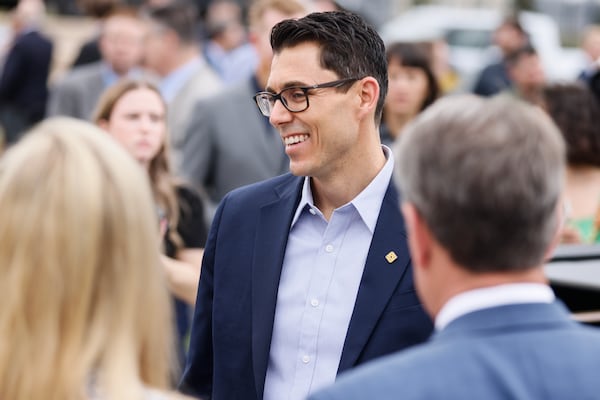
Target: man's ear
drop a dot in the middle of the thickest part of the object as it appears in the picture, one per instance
(561, 217)
(419, 236)
(369, 95)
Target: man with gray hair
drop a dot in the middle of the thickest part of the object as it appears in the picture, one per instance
(481, 182)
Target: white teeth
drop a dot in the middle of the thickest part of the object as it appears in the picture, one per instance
(295, 139)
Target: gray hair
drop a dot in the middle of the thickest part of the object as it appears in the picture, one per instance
(486, 176)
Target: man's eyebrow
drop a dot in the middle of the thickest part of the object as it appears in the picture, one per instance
(288, 85)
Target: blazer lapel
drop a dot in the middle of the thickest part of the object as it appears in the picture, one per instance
(380, 277)
(271, 240)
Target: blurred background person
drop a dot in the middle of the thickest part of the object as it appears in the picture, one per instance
(121, 46)
(85, 308)
(526, 74)
(134, 113)
(590, 44)
(576, 112)
(412, 87)
(24, 76)
(172, 51)
(89, 51)
(226, 47)
(323, 5)
(494, 78)
(447, 76)
(228, 143)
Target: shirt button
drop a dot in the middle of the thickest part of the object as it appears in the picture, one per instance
(314, 302)
(329, 248)
(305, 359)
(313, 212)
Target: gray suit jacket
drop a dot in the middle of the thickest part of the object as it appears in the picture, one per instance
(204, 83)
(77, 93)
(230, 144)
(524, 351)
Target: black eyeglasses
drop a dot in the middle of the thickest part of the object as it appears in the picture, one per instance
(295, 98)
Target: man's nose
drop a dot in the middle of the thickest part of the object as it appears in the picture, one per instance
(279, 114)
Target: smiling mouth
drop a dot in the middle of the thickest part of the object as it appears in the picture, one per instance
(295, 139)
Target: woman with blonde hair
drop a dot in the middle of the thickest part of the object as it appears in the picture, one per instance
(84, 305)
(134, 113)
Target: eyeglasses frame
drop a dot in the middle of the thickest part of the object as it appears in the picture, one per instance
(277, 96)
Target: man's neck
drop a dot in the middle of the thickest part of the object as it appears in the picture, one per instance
(184, 56)
(462, 281)
(340, 187)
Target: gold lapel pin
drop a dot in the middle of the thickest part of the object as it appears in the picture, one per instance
(391, 257)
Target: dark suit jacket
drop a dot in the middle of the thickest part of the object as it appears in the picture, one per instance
(235, 308)
(23, 84)
(519, 352)
(492, 80)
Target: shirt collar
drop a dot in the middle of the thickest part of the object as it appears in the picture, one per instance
(110, 77)
(367, 202)
(171, 84)
(477, 299)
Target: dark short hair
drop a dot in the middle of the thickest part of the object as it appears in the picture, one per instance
(180, 16)
(513, 22)
(416, 55)
(575, 110)
(350, 47)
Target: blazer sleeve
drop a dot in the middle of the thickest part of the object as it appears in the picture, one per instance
(12, 73)
(63, 100)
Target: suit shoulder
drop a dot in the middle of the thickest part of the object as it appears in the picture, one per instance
(231, 95)
(263, 190)
(84, 72)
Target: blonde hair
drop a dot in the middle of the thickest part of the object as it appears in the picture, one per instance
(84, 301)
(162, 180)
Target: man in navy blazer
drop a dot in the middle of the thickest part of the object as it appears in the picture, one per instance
(306, 275)
(482, 182)
(23, 81)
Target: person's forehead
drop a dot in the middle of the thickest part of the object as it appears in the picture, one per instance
(298, 65)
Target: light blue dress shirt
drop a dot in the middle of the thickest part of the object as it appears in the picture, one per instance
(321, 273)
(172, 84)
(110, 77)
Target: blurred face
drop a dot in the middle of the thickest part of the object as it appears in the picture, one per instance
(591, 45)
(261, 34)
(508, 39)
(322, 139)
(528, 72)
(407, 89)
(138, 123)
(121, 44)
(156, 46)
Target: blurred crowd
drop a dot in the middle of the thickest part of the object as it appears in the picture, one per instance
(172, 81)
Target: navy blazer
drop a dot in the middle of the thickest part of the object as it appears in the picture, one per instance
(235, 308)
(25, 73)
(520, 352)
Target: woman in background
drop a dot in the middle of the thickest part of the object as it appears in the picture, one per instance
(412, 87)
(84, 304)
(134, 113)
(576, 112)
